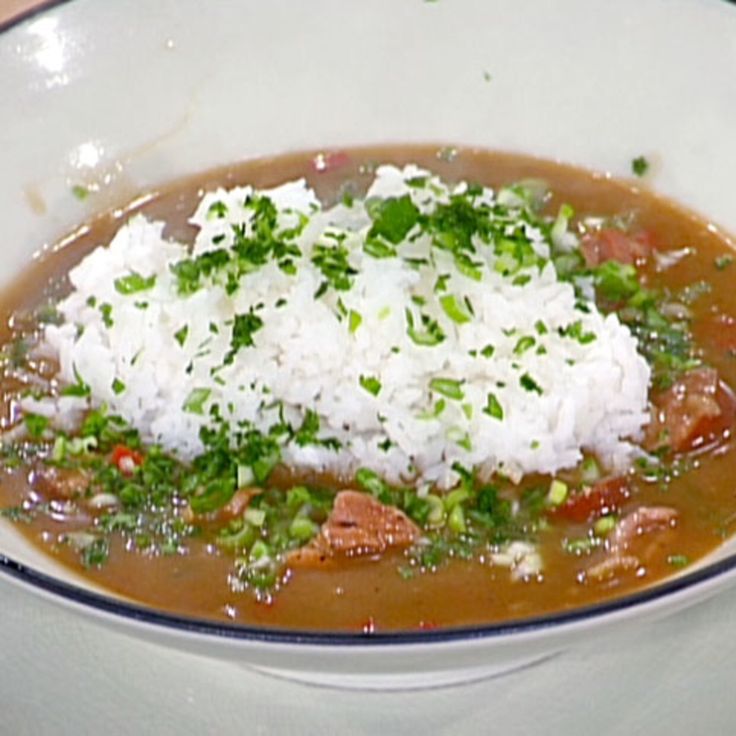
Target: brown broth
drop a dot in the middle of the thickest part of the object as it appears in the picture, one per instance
(357, 593)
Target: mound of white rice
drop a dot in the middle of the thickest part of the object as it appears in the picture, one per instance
(366, 358)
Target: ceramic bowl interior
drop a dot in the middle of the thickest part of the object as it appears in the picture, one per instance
(123, 97)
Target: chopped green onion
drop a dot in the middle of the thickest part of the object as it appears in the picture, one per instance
(134, 283)
(430, 335)
(678, 560)
(455, 497)
(557, 493)
(523, 344)
(436, 515)
(257, 517)
(354, 320)
(259, 550)
(194, 403)
(245, 476)
(456, 520)
(604, 525)
(448, 387)
(454, 309)
(435, 412)
(589, 470)
(302, 528)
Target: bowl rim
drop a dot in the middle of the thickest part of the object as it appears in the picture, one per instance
(130, 611)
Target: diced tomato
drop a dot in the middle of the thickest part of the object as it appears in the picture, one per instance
(610, 244)
(125, 459)
(605, 497)
(324, 163)
(696, 413)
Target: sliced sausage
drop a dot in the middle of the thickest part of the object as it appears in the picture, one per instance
(620, 558)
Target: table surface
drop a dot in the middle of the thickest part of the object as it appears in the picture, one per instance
(60, 675)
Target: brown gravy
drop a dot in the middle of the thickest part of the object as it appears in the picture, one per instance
(366, 593)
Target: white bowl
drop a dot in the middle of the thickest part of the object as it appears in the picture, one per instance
(128, 95)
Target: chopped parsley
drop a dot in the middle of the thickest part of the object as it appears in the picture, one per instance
(36, 425)
(371, 384)
(392, 218)
(106, 312)
(80, 192)
(244, 327)
(639, 166)
(576, 332)
(723, 262)
(332, 261)
(79, 389)
(217, 210)
(529, 384)
(307, 433)
(181, 335)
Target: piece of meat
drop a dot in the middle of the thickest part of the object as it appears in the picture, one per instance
(610, 244)
(611, 566)
(695, 413)
(644, 520)
(619, 557)
(357, 525)
(59, 483)
(604, 497)
(235, 507)
(315, 554)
